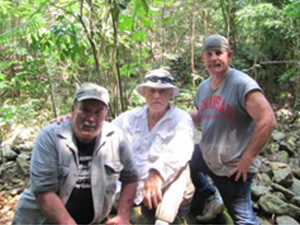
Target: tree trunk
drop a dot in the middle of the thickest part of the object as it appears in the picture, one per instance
(193, 44)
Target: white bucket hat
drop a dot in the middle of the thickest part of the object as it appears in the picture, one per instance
(158, 78)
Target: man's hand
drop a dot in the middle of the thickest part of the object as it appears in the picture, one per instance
(118, 220)
(241, 169)
(61, 119)
(152, 190)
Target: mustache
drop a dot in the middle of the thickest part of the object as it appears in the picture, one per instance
(216, 64)
(90, 124)
(156, 102)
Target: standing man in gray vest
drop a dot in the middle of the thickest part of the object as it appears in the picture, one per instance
(236, 121)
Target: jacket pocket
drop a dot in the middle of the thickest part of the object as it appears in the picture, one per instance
(113, 171)
(64, 170)
(160, 144)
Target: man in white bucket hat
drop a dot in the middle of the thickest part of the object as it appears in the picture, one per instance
(161, 137)
(158, 78)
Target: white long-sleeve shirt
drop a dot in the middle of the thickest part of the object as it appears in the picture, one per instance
(167, 147)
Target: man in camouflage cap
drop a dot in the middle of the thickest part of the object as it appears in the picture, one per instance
(75, 166)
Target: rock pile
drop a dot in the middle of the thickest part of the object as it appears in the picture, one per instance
(275, 190)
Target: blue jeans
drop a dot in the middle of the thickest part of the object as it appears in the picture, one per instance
(235, 194)
(203, 189)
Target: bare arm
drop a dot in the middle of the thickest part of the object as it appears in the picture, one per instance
(61, 119)
(195, 116)
(128, 193)
(54, 208)
(260, 110)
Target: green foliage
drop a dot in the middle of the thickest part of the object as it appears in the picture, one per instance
(136, 100)
(66, 39)
(26, 114)
(185, 99)
(48, 47)
(290, 75)
(292, 10)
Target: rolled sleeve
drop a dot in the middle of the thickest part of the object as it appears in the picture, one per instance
(43, 166)
(129, 173)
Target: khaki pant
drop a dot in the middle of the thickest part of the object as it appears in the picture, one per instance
(179, 193)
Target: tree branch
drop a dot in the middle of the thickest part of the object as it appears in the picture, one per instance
(281, 62)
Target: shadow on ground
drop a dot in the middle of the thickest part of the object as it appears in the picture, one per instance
(141, 215)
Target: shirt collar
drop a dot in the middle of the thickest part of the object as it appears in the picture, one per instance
(143, 112)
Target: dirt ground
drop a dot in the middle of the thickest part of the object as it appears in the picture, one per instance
(8, 204)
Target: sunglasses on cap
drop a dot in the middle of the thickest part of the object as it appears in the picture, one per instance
(162, 79)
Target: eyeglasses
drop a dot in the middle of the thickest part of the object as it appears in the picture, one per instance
(162, 79)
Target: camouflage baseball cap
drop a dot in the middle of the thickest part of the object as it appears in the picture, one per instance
(214, 42)
(92, 91)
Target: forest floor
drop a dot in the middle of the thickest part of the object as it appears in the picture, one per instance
(8, 203)
(14, 178)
